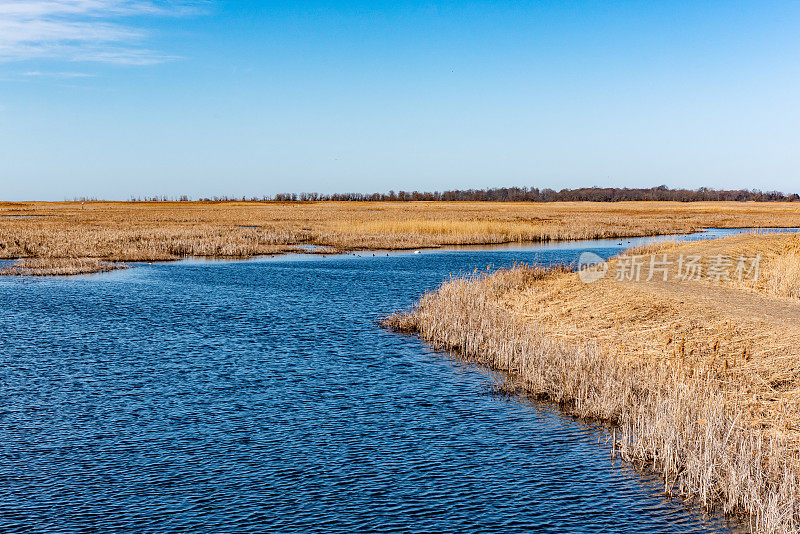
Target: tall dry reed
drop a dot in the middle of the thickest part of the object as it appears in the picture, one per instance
(782, 271)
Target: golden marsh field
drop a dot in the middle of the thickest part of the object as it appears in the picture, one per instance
(67, 237)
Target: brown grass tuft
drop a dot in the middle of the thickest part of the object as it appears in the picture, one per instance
(400, 322)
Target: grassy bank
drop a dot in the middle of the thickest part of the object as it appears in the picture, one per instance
(159, 231)
(701, 378)
(58, 267)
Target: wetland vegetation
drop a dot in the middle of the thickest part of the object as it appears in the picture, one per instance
(93, 233)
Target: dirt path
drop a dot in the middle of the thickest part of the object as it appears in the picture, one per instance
(734, 303)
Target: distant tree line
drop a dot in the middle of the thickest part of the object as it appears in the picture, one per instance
(534, 194)
(517, 194)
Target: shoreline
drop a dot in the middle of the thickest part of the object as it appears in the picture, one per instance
(690, 389)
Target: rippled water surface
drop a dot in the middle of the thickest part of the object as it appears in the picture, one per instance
(260, 395)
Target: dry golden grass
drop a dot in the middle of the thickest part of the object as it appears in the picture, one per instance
(779, 266)
(783, 273)
(701, 378)
(125, 231)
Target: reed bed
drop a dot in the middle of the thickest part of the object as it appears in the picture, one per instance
(690, 390)
(781, 269)
(159, 231)
(783, 275)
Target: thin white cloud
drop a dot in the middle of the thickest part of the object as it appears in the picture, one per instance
(40, 74)
(83, 30)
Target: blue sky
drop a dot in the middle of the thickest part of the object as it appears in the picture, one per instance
(114, 98)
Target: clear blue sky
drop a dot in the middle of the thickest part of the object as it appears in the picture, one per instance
(113, 98)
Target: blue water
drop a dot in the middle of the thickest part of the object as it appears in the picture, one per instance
(261, 396)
